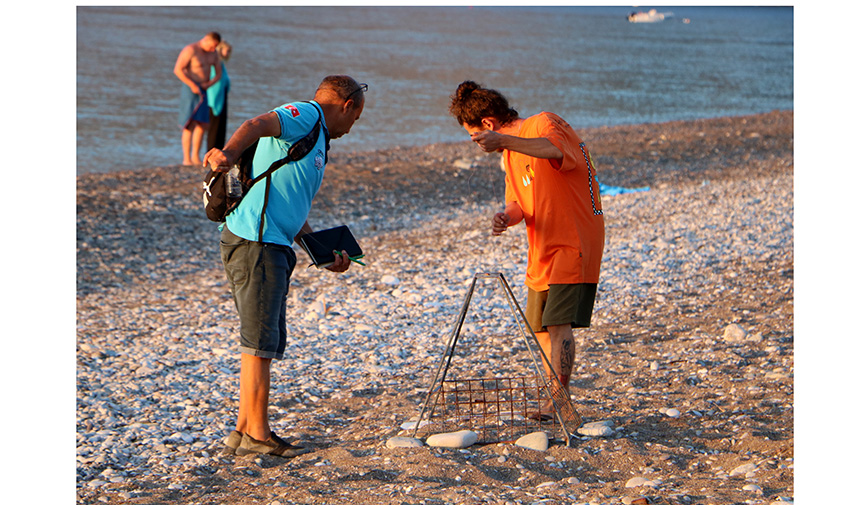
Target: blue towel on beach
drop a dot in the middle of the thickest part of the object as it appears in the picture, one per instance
(607, 190)
(192, 107)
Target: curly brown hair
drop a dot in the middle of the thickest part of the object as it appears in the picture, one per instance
(472, 102)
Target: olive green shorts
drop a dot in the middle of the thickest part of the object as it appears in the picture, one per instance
(561, 304)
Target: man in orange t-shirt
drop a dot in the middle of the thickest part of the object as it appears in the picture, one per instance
(551, 184)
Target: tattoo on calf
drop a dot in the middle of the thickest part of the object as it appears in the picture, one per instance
(566, 358)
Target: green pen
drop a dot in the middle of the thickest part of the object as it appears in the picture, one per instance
(354, 258)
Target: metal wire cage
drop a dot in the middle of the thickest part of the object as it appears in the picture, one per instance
(498, 409)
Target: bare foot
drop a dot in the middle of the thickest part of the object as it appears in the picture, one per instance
(544, 413)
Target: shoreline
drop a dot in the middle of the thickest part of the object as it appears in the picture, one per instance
(684, 264)
(589, 132)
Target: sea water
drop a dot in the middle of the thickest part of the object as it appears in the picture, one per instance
(588, 64)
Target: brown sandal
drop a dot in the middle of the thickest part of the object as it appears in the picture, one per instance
(276, 446)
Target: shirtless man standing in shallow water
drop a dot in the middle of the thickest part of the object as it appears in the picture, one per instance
(193, 67)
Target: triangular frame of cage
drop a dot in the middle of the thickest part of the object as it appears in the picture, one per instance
(565, 413)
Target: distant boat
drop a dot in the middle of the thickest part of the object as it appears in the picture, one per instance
(651, 16)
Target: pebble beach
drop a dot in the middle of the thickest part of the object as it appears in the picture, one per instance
(689, 360)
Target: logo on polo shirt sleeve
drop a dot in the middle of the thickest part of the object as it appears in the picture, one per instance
(293, 110)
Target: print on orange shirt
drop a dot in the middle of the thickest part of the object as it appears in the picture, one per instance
(530, 175)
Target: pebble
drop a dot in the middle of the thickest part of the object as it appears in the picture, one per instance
(410, 425)
(745, 469)
(595, 430)
(403, 442)
(636, 482)
(456, 439)
(754, 488)
(631, 500)
(390, 280)
(641, 481)
(734, 333)
(606, 422)
(463, 164)
(538, 441)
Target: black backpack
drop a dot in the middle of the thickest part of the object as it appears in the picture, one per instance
(215, 198)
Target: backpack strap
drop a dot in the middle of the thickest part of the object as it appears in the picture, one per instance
(265, 204)
(297, 151)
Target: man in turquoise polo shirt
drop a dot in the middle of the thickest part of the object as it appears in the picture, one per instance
(257, 237)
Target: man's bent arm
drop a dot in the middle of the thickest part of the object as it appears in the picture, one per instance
(535, 147)
(182, 63)
(540, 147)
(515, 212)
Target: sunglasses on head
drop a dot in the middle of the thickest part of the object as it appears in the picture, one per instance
(361, 87)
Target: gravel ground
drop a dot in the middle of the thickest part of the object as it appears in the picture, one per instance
(690, 355)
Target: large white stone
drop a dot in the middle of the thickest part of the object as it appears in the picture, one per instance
(456, 439)
(537, 441)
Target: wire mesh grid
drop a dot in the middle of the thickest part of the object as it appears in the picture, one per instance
(498, 409)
